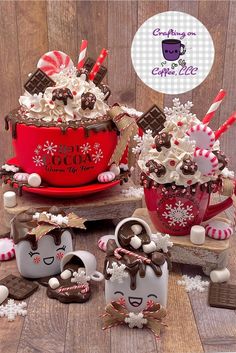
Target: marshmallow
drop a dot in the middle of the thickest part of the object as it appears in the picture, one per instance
(4, 292)
(9, 199)
(34, 180)
(53, 283)
(148, 248)
(135, 242)
(115, 169)
(136, 228)
(66, 274)
(219, 276)
(197, 235)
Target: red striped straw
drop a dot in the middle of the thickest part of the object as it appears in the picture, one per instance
(225, 126)
(97, 64)
(213, 108)
(82, 54)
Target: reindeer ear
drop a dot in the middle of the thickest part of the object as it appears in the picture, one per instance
(111, 246)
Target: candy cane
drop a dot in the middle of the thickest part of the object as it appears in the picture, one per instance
(97, 64)
(225, 126)
(83, 49)
(215, 105)
(127, 252)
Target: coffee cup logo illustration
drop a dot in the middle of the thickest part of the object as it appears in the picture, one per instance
(172, 49)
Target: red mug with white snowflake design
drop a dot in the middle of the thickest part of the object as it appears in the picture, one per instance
(174, 209)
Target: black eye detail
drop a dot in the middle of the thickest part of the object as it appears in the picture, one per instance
(176, 51)
(152, 295)
(33, 253)
(118, 292)
(166, 51)
(62, 248)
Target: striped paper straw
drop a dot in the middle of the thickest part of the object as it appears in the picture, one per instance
(83, 49)
(97, 64)
(213, 108)
(225, 126)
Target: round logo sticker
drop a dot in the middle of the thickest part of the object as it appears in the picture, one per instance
(172, 52)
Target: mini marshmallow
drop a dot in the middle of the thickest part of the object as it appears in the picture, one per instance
(197, 235)
(136, 228)
(66, 274)
(219, 276)
(53, 283)
(34, 180)
(148, 248)
(9, 199)
(115, 169)
(135, 242)
(4, 292)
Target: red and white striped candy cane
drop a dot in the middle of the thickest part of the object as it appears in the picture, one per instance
(127, 252)
(215, 105)
(223, 128)
(97, 64)
(82, 54)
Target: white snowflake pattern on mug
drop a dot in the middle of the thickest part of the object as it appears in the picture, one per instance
(178, 214)
(97, 156)
(38, 161)
(50, 148)
(85, 148)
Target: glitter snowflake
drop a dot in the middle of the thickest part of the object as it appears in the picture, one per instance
(193, 283)
(85, 148)
(80, 277)
(178, 214)
(162, 241)
(179, 110)
(38, 161)
(144, 143)
(117, 272)
(11, 309)
(50, 148)
(97, 156)
(135, 320)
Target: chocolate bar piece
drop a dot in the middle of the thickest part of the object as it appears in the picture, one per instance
(222, 295)
(19, 288)
(89, 63)
(38, 82)
(153, 120)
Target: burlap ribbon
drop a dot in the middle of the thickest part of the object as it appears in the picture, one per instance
(128, 129)
(228, 187)
(115, 314)
(45, 225)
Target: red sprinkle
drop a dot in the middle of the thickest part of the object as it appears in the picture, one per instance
(189, 182)
(74, 93)
(59, 120)
(32, 105)
(172, 163)
(176, 142)
(179, 123)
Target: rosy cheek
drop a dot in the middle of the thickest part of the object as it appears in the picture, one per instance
(59, 255)
(36, 260)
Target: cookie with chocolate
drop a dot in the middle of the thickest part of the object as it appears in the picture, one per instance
(188, 167)
(88, 100)
(157, 168)
(62, 94)
(162, 139)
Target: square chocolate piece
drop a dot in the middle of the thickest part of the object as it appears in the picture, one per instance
(222, 295)
(38, 82)
(19, 288)
(153, 120)
(89, 63)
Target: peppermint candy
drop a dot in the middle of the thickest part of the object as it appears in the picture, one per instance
(21, 177)
(7, 251)
(218, 229)
(106, 177)
(54, 61)
(206, 161)
(202, 135)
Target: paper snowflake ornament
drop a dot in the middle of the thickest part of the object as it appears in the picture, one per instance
(11, 309)
(144, 143)
(162, 242)
(80, 277)
(117, 272)
(135, 320)
(193, 283)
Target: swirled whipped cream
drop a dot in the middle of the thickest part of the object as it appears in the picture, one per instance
(42, 106)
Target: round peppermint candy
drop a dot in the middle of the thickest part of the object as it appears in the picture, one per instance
(106, 177)
(21, 177)
(7, 251)
(218, 229)
(54, 61)
(202, 135)
(206, 161)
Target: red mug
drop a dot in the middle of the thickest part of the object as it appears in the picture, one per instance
(174, 209)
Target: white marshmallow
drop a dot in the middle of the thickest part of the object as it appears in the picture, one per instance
(115, 169)
(219, 276)
(4, 292)
(135, 242)
(197, 235)
(136, 228)
(9, 199)
(148, 248)
(53, 283)
(66, 274)
(34, 180)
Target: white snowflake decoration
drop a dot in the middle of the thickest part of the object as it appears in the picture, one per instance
(96, 146)
(80, 277)
(133, 192)
(136, 320)
(144, 143)
(179, 111)
(38, 161)
(162, 241)
(10, 168)
(178, 214)
(117, 272)
(97, 156)
(193, 283)
(11, 309)
(85, 148)
(50, 148)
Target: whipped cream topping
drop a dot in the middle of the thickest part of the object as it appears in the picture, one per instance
(42, 107)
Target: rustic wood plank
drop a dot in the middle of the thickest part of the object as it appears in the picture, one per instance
(145, 96)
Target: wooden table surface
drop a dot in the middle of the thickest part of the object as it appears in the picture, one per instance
(52, 327)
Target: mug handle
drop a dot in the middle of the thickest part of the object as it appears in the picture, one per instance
(97, 276)
(213, 210)
(184, 49)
